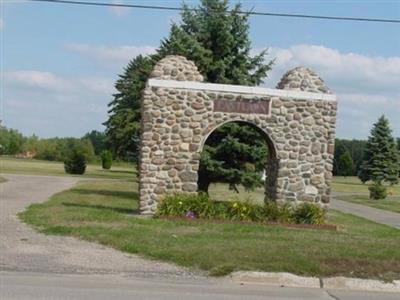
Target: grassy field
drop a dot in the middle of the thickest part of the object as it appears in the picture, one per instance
(41, 167)
(352, 185)
(355, 186)
(103, 211)
(217, 191)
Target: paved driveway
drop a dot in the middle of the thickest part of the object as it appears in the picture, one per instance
(23, 249)
(377, 215)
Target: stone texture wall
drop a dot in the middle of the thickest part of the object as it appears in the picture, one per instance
(303, 79)
(177, 121)
(175, 67)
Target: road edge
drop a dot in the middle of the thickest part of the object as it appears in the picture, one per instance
(283, 279)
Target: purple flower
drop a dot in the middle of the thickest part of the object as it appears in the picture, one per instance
(190, 215)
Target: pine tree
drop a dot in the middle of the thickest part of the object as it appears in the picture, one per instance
(123, 124)
(346, 164)
(218, 43)
(216, 40)
(381, 161)
(75, 162)
(340, 149)
(235, 154)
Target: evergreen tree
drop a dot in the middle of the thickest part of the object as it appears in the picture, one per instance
(346, 164)
(381, 157)
(123, 124)
(216, 40)
(235, 154)
(106, 159)
(75, 162)
(340, 149)
(98, 140)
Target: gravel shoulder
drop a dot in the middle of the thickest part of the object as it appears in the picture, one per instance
(24, 249)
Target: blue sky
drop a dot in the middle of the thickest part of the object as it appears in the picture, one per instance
(59, 62)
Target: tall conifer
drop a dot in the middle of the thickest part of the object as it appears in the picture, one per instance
(381, 161)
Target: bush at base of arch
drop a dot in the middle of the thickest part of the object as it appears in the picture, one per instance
(199, 206)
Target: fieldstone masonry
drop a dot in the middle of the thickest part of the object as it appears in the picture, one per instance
(179, 112)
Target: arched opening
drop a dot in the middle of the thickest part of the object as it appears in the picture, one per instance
(238, 157)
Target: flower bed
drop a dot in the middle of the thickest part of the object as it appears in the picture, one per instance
(199, 206)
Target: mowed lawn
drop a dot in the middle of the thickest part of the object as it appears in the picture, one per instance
(351, 185)
(358, 193)
(40, 167)
(105, 212)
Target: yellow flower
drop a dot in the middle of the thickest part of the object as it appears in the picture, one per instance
(180, 202)
(235, 205)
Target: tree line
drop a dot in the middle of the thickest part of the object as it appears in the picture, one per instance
(349, 156)
(14, 143)
(348, 159)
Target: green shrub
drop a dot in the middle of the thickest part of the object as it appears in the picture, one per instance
(377, 191)
(308, 213)
(200, 206)
(75, 162)
(106, 159)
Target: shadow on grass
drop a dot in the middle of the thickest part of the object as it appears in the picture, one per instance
(126, 211)
(352, 183)
(119, 194)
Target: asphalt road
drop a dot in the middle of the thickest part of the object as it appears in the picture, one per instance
(19, 286)
(377, 215)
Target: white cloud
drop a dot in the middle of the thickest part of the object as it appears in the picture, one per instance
(47, 81)
(52, 105)
(347, 71)
(38, 79)
(366, 86)
(108, 55)
(119, 10)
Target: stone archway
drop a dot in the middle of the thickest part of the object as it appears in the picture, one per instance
(179, 111)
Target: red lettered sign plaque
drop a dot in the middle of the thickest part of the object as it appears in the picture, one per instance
(243, 107)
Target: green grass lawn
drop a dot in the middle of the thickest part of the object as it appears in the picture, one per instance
(217, 191)
(351, 185)
(355, 186)
(103, 211)
(41, 167)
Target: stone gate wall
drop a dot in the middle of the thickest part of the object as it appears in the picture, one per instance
(179, 112)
